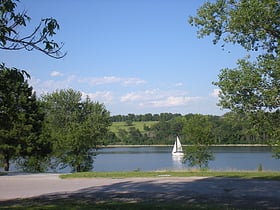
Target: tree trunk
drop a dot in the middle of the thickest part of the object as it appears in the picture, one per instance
(6, 163)
(78, 168)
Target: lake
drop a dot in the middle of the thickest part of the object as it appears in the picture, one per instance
(160, 158)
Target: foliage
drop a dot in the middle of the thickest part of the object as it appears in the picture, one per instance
(198, 155)
(12, 24)
(253, 87)
(77, 127)
(231, 128)
(253, 24)
(122, 133)
(199, 132)
(21, 120)
(141, 126)
(144, 117)
(162, 131)
(36, 155)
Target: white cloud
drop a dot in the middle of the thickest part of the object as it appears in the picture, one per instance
(131, 97)
(99, 80)
(56, 74)
(93, 81)
(157, 99)
(139, 96)
(73, 81)
(215, 93)
(172, 101)
(179, 84)
(136, 100)
(132, 81)
(48, 86)
(101, 96)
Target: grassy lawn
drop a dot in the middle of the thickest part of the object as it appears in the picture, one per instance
(128, 174)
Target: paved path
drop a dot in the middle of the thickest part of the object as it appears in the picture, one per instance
(259, 194)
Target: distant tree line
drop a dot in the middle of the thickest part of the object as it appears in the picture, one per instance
(144, 117)
(231, 128)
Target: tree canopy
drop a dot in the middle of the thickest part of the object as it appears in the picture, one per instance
(21, 120)
(255, 25)
(253, 87)
(77, 128)
(199, 132)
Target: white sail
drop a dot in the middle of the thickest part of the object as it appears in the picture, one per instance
(177, 148)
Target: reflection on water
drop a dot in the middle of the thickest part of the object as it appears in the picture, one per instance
(177, 162)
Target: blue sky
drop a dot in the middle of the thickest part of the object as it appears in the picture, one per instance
(135, 56)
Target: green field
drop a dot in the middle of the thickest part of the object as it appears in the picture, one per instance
(138, 125)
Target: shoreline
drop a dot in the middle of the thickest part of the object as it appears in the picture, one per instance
(185, 145)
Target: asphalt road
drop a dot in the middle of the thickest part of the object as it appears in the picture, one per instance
(241, 193)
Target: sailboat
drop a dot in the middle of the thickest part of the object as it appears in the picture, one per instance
(177, 148)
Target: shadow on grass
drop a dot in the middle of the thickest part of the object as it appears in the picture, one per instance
(3, 173)
(205, 193)
(251, 176)
(85, 204)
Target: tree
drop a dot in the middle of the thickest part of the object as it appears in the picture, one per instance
(135, 136)
(20, 119)
(35, 152)
(198, 155)
(77, 127)
(198, 130)
(252, 87)
(254, 24)
(21, 136)
(13, 23)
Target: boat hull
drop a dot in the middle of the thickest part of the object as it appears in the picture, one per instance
(177, 154)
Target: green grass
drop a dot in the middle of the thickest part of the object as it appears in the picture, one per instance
(271, 175)
(123, 125)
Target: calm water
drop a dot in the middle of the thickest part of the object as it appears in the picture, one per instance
(160, 158)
